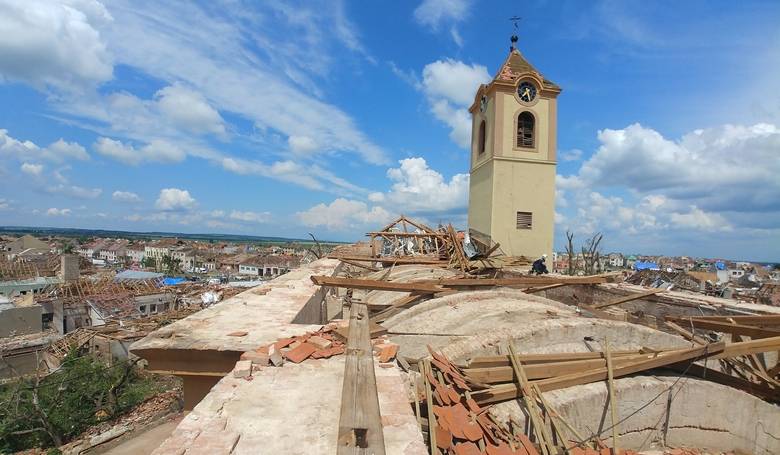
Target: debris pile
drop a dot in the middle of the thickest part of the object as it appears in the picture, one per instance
(409, 242)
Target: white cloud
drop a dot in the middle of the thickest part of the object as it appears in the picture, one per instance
(55, 44)
(343, 214)
(450, 86)
(125, 196)
(189, 109)
(717, 180)
(436, 13)
(57, 151)
(174, 199)
(58, 212)
(252, 217)
(32, 169)
(234, 62)
(731, 167)
(74, 191)
(376, 197)
(700, 220)
(156, 151)
(61, 151)
(419, 189)
(5, 204)
(302, 145)
(416, 190)
(453, 80)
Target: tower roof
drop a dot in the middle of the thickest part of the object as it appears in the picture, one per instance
(515, 66)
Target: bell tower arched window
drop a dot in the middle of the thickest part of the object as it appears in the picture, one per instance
(525, 129)
(481, 144)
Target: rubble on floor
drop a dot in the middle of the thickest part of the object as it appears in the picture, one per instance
(433, 353)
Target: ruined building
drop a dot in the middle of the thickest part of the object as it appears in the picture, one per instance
(422, 343)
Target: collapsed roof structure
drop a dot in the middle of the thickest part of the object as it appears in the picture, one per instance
(423, 341)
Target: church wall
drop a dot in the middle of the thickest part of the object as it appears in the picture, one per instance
(480, 198)
(520, 186)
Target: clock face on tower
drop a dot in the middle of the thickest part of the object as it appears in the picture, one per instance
(526, 91)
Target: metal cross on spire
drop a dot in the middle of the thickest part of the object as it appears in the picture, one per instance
(515, 20)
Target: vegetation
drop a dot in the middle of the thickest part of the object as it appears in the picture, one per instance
(590, 254)
(149, 262)
(46, 411)
(170, 265)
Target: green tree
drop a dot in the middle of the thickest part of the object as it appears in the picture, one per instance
(49, 410)
(171, 265)
(148, 262)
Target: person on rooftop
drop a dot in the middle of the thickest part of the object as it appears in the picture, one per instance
(539, 267)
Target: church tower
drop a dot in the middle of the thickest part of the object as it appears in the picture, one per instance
(513, 144)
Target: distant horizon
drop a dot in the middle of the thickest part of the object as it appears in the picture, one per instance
(4, 229)
(30, 229)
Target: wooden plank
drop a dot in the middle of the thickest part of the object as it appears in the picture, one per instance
(353, 283)
(359, 265)
(360, 425)
(725, 327)
(518, 281)
(758, 320)
(408, 234)
(544, 288)
(529, 359)
(510, 391)
(494, 375)
(684, 333)
(427, 260)
(628, 298)
(749, 347)
(397, 307)
(425, 369)
(545, 441)
(612, 398)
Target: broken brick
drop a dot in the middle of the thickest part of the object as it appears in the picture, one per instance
(387, 352)
(283, 343)
(443, 438)
(320, 342)
(501, 449)
(256, 358)
(473, 431)
(300, 353)
(275, 356)
(242, 369)
(467, 448)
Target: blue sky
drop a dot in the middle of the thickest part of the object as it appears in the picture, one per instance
(273, 118)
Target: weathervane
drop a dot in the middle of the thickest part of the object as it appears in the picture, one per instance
(515, 20)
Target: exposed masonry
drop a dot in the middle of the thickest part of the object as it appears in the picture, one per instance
(295, 408)
(702, 414)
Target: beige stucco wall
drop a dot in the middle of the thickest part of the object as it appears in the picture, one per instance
(481, 198)
(521, 186)
(507, 179)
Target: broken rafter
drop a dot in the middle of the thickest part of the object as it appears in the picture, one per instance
(510, 391)
(530, 359)
(726, 327)
(433, 286)
(353, 283)
(407, 234)
(422, 260)
(627, 299)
